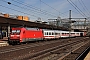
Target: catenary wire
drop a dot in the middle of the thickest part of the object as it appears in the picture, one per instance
(78, 8)
(36, 9)
(75, 8)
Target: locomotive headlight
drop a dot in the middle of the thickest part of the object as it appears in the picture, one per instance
(12, 35)
(17, 35)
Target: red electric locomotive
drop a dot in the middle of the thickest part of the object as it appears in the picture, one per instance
(19, 35)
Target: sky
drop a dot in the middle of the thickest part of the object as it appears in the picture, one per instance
(46, 9)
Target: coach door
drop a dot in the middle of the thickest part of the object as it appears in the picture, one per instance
(81, 34)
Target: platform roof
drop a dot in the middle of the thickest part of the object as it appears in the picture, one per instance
(15, 23)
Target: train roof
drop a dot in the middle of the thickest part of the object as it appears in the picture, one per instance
(46, 30)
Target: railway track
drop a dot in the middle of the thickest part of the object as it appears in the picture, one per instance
(16, 48)
(73, 55)
(56, 52)
(43, 50)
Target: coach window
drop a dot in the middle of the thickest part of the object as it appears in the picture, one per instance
(62, 33)
(72, 33)
(77, 33)
(56, 33)
(52, 33)
(47, 33)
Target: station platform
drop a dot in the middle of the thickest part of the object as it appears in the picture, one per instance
(4, 42)
(87, 57)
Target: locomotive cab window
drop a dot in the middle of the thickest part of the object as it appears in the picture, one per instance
(16, 31)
